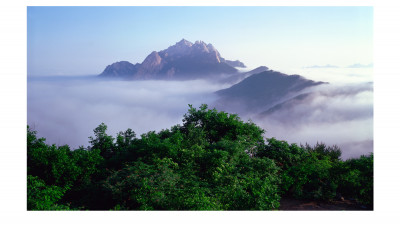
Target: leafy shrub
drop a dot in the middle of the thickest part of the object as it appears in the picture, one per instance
(333, 153)
(307, 172)
(42, 196)
(312, 179)
(144, 186)
(356, 180)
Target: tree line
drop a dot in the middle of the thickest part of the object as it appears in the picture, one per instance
(213, 161)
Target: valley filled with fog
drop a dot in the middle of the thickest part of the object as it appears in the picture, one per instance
(65, 110)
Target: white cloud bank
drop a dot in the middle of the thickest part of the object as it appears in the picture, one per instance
(65, 111)
(333, 114)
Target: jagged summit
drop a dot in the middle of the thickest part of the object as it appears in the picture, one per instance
(211, 47)
(184, 60)
(184, 42)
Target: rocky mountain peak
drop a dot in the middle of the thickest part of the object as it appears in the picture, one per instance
(199, 42)
(183, 60)
(122, 68)
(152, 64)
(211, 48)
(200, 46)
(181, 48)
(152, 59)
(184, 42)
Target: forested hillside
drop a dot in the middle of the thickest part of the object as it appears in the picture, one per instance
(213, 161)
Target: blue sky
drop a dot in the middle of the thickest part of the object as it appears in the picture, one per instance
(84, 40)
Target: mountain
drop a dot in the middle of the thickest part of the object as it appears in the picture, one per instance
(261, 91)
(120, 69)
(236, 78)
(288, 104)
(184, 60)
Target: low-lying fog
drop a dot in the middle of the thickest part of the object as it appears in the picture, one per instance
(333, 114)
(66, 110)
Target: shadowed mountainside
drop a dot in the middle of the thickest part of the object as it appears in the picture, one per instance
(262, 91)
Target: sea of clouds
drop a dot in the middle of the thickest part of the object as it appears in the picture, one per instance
(65, 110)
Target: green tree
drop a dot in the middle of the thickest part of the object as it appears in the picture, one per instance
(312, 178)
(59, 170)
(322, 150)
(43, 197)
(221, 125)
(357, 179)
(143, 186)
(102, 141)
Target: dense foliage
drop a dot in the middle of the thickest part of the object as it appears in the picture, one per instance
(213, 161)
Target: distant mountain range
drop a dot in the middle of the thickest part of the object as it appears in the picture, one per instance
(184, 60)
(260, 91)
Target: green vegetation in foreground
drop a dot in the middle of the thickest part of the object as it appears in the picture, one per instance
(214, 161)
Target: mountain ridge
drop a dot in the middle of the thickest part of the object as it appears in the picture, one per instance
(261, 91)
(184, 60)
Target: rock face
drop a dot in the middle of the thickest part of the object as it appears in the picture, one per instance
(184, 60)
(151, 65)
